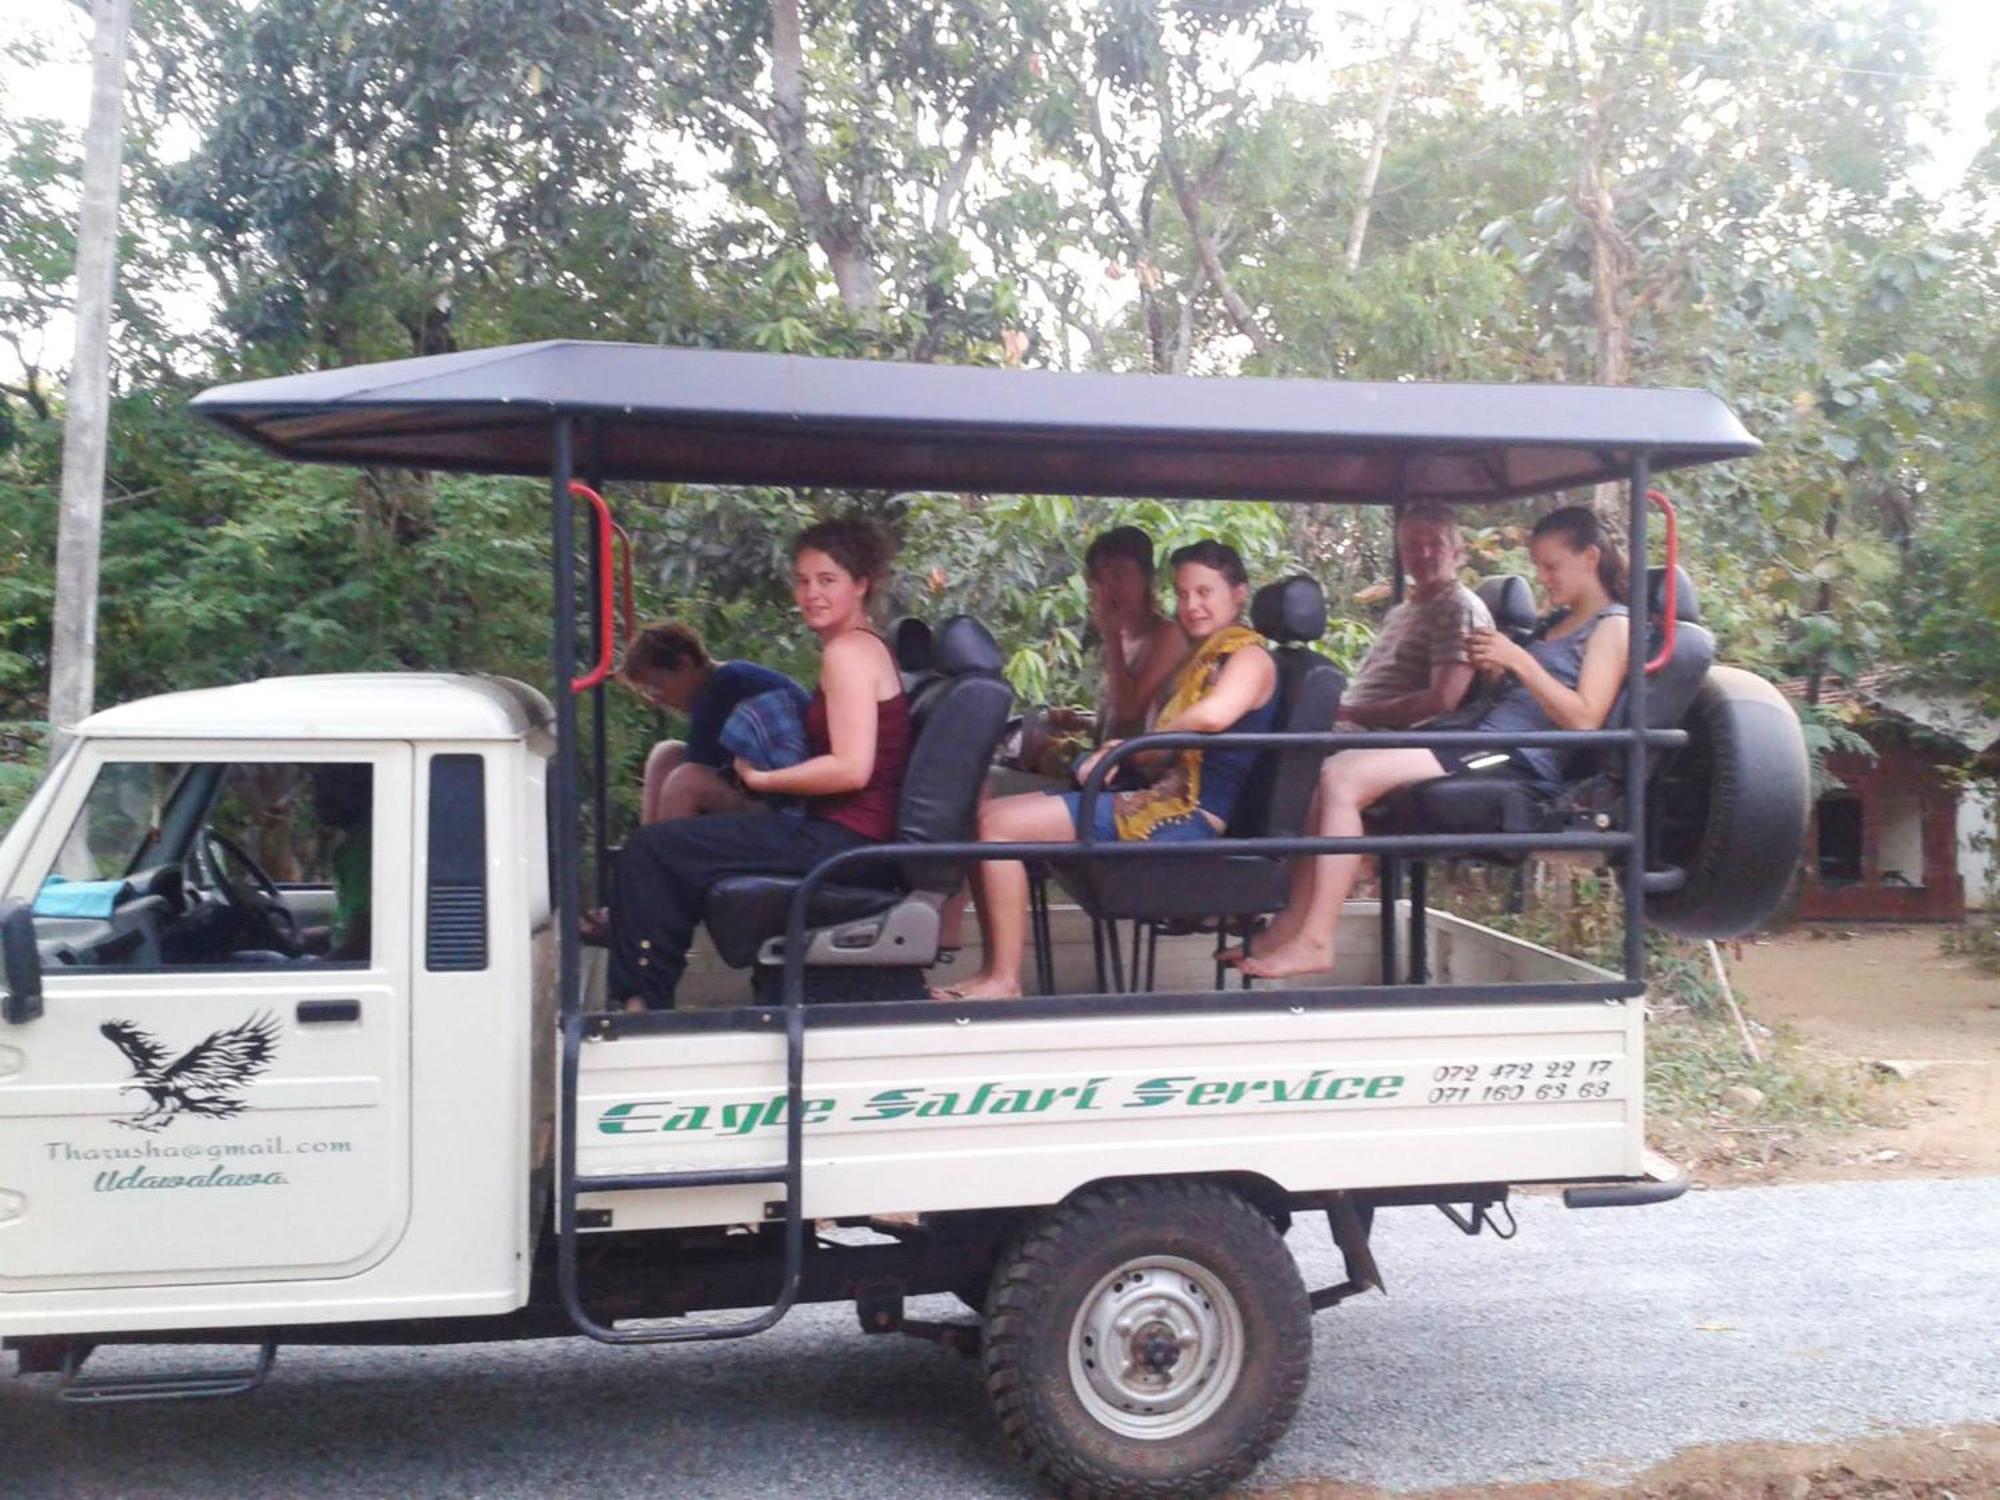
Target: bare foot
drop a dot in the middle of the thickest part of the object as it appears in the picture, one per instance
(979, 987)
(1232, 957)
(634, 1006)
(1267, 940)
(1298, 956)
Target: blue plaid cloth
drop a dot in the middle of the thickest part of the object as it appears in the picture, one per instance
(769, 730)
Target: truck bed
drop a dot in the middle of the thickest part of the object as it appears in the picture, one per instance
(965, 1106)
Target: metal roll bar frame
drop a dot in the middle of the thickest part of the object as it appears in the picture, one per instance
(1630, 842)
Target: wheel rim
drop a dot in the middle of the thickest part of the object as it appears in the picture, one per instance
(1156, 1347)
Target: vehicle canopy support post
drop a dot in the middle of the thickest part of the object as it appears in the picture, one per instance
(1389, 876)
(562, 528)
(1636, 721)
(600, 832)
(1420, 961)
(1389, 869)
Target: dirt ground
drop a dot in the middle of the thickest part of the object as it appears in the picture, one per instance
(1955, 1464)
(1925, 1025)
(1925, 1022)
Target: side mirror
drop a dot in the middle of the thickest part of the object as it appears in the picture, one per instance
(21, 963)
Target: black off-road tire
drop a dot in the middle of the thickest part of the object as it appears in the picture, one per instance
(1731, 810)
(1037, 1319)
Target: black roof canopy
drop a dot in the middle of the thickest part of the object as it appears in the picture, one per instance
(708, 416)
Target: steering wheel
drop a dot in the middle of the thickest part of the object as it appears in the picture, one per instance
(255, 896)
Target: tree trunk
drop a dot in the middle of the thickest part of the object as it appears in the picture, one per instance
(836, 234)
(1378, 143)
(1240, 312)
(1815, 678)
(1611, 264)
(1610, 254)
(73, 644)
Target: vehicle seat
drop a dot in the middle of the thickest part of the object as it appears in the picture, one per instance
(1511, 602)
(911, 642)
(1504, 800)
(956, 719)
(1200, 892)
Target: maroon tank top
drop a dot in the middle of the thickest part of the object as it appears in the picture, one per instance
(870, 811)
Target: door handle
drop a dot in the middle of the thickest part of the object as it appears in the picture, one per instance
(325, 1012)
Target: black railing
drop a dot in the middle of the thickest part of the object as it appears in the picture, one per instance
(566, 870)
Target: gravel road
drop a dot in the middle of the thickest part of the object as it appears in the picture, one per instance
(1594, 1344)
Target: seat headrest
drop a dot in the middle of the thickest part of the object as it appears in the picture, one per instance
(1509, 600)
(1290, 611)
(963, 645)
(1687, 603)
(910, 640)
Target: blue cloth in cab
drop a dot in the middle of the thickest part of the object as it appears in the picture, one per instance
(61, 897)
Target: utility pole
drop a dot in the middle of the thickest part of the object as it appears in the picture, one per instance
(73, 645)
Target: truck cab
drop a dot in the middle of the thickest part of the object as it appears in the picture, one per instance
(287, 931)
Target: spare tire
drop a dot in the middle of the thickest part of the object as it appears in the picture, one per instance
(1730, 810)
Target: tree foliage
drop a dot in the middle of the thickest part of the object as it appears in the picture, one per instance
(1724, 195)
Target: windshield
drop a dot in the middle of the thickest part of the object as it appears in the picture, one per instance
(119, 822)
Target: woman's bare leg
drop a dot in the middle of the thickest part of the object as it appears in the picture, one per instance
(951, 921)
(1000, 889)
(1304, 876)
(1348, 782)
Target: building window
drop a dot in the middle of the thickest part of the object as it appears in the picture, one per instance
(1839, 818)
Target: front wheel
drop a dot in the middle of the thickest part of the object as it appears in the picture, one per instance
(1147, 1339)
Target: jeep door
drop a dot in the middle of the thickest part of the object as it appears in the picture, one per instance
(218, 1087)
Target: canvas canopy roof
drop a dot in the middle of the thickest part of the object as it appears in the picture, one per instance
(708, 416)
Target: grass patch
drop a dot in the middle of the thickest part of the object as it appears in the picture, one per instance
(1694, 1060)
(1978, 939)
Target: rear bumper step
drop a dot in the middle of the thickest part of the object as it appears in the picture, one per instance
(1664, 1181)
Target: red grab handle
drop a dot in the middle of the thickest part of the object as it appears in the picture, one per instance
(1666, 651)
(607, 643)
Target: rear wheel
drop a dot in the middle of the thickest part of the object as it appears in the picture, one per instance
(1147, 1340)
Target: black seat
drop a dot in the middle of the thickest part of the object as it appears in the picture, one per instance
(1511, 602)
(1191, 893)
(1504, 800)
(853, 925)
(915, 650)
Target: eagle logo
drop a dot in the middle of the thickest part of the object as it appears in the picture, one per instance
(204, 1080)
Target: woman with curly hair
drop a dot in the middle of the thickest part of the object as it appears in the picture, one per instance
(858, 745)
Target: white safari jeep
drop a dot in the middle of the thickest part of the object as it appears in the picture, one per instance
(298, 1045)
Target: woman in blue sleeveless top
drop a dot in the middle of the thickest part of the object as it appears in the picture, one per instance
(1566, 679)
